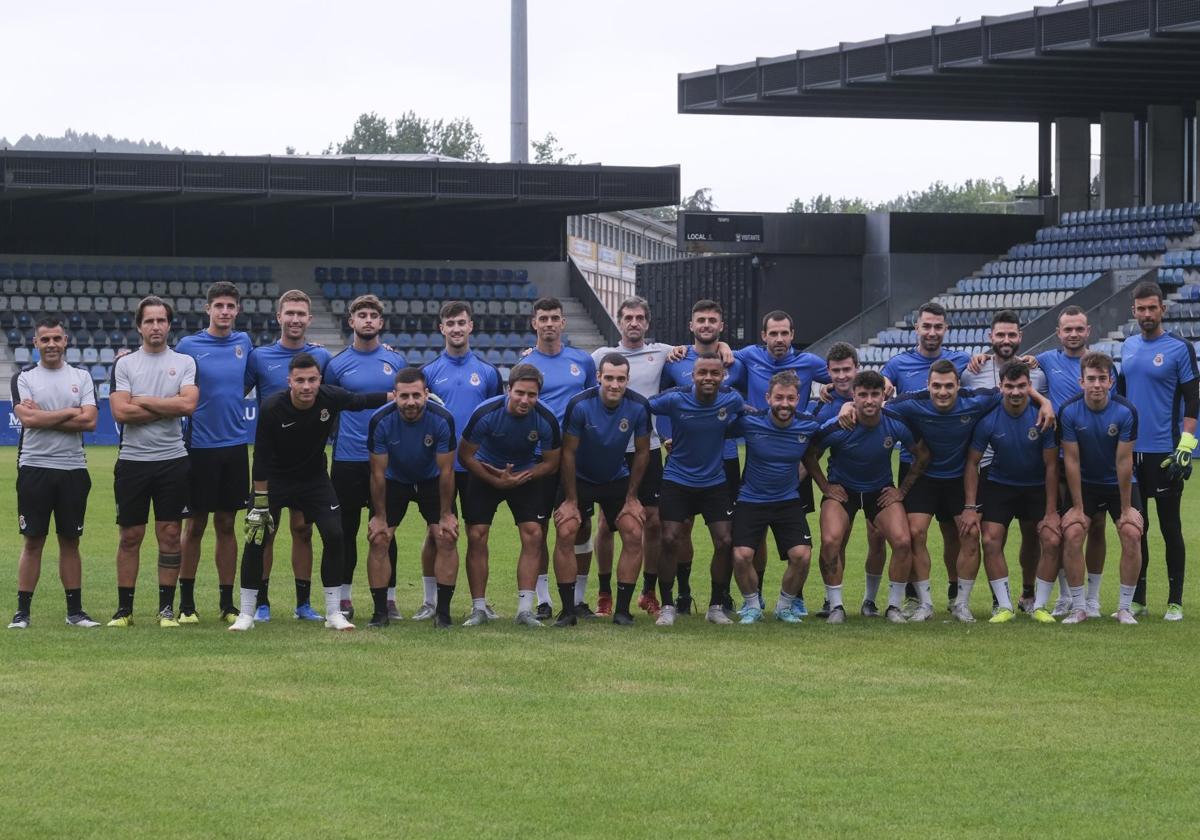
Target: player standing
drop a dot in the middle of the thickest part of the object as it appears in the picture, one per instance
(56, 404)
(152, 389)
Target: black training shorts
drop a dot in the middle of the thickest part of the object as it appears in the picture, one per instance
(426, 494)
(786, 520)
(1002, 503)
(220, 479)
(678, 503)
(138, 483)
(42, 491)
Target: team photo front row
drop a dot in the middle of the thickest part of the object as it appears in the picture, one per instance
(647, 434)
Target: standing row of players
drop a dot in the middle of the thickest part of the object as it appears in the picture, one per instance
(511, 450)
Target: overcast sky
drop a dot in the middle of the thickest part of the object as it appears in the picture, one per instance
(255, 77)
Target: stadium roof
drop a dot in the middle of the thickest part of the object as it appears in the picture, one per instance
(1074, 60)
(400, 181)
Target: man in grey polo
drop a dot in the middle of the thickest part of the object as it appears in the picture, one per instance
(152, 389)
(56, 404)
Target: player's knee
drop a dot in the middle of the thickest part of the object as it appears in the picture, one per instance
(1131, 536)
(918, 536)
(743, 556)
(800, 557)
(223, 523)
(903, 544)
(37, 543)
(831, 542)
(131, 538)
(722, 543)
(567, 532)
(631, 532)
(531, 534)
(302, 532)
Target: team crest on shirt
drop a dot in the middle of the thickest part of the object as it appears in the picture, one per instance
(238, 351)
(387, 368)
(324, 415)
(1112, 429)
(475, 380)
(74, 389)
(533, 436)
(965, 419)
(721, 414)
(802, 439)
(170, 371)
(574, 369)
(1032, 434)
(1158, 359)
(429, 440)
(888, 442)
(624, 424)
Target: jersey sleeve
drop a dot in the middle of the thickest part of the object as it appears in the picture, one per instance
(476, 426)
(1049, 440)
(376, 442)
(573, 420)
(251, 379)
(826, 436)
(643, 426)
(120, 378)
(983, 432)
(87, 389)
(446, 442)
(663, 403)
(1128, 427)
(735, 374)
(1185, 364)
(20, 387)
(187, 376)
(589, 373)
(330, 375)
(820, 370)
(1040, 382)
(1066, 426)
(549, 426)
(889, 369)
(906, 430)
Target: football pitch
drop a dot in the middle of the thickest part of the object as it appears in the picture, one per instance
(292, 730)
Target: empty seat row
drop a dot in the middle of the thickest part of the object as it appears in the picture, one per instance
(443, 291)
(136, 288)
(135, 271)
(1184, 258)
(1026, 282)
(1188, 210)
(1059, 265)
(480, 341)
(1112, 230)
(400, 274)
(1090, 247)
(993, 302)
(433, 307)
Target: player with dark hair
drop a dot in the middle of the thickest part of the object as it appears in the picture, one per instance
(1159, 375)
(217, 434)
(153, 388)
(56, 404)
(290, 471)
(500, 448)
(412, 444)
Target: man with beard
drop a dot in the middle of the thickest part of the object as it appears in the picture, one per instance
(365, 367)
(1159, 375)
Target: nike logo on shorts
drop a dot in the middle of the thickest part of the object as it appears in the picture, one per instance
(541, 516)
(334, 507)
(729, 513)
(286, 425)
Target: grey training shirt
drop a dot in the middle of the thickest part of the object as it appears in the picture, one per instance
(162, 374)
(53, 389)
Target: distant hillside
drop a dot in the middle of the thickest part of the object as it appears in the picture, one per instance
(73, 141)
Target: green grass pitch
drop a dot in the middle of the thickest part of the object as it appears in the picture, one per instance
(292, 730)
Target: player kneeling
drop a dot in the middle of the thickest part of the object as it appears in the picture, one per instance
(1020, 483)
(860, 478)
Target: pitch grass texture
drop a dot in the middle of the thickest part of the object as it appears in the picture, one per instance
(291, 730)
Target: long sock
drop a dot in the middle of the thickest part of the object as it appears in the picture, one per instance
(379, 599)
(683, 579)
(303, 592)
(952, 590)
(24, 600)
(226, 591)
(605, 583)
(833, 594)
(1002, 593)
(125, 599)
(1042, 590)
(430, 586)
(443, 593)
(896, 593)
(624, 596)
(1064, 586)
(391, 594)
(74, 601)
(1093, 586)
(187, 595)
(649, 582)
(1026, 592)
(166, 596)
(580, 593)
(543, 589)
(785, 601)
(719, 594)
(872, 592)
(525, 600)
(333, 599)
(479, 603)
(963, 595)
(567, 594)
(752, 600)
(1126, 598)
(910, 591)
(665, 595)
(346, 592)
(264, 598)
(1078, 598)
(925, 593)
(249, 599)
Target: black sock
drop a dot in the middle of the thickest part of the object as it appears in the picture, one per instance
(683, 576)
(606, 583)
(24, 599)
(166, 596)
(379, 597)
(649, 583)
(264, 599)
(303, 591)
(952, 590)
(624, 596)
(226, 604)
(910, 590)
(666, 596)
(74, 601)
(566, 594)
(125, 599)
(720, 594)
(187, 595)
(444, 593)
(1027, 592)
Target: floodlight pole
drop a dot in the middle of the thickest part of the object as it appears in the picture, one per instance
(519, 97)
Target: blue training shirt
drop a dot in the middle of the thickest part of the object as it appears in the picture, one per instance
(945, 433)
(698, 431)
(361, 373)
(760, 366)
(1153, 371)
(462, 383)
(563, 376)
(1062, 376)
(679, 375)
(1097, 433)
(860, 459)
(504, 438)
(828, 410)
(267, 370)
(412, 448)
(219, 418)
(909, 370)
(604, 433)
(773, 456)
(1017, 445)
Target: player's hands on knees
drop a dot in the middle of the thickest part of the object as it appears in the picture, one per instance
(848, 416)
(448, 526)
(377, 529)
(1075, 517)
(968, 522)
(1133, 518)
(978, 361)
(565, 513)
(837, 492)
(633, 507)
(890, 496)
(1051, 523)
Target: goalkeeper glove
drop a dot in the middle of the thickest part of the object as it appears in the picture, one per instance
(1179, 463)
(259, 522)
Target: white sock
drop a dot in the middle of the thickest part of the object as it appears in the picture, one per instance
(525, 601)
(895, 594)
(1093, 586)
(345, 592)
(752, 602)
(1063, 585)
(580, 588)
(1078, 598)
(543, 589)
(249, 601)
(873, 582)
(924, 593)
(834, 595)
(1126, 600)
(1000, 590)
(478, 603)
(430, 584)
(785, 602)
(333, 596)
(964, 591)
(1042, 590)
(391, 596)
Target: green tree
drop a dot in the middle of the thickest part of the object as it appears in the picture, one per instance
(411, 134)
(971, 196)
(701, 201)
(549, 150)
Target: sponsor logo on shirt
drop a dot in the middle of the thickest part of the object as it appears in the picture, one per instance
(324, 415)
(272, 367)
(474, 380)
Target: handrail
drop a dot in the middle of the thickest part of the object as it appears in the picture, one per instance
(601, 317)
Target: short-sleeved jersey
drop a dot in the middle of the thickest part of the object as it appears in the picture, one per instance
(462, 383)
(604, 433)
(826, 411)
(53, 389)
(646, 365)
(267, 370)
(1097, 433)
(163, 374)
(564, 375)
(945, 433)
(362, 373)
(289, 442)
(1153, 372)
(1017, 444)
(773, 455)
(909, 370)
(698, 431)
(219, 419)
(860, 459)
(411, 447)
(760, 366)
(1062, 376)
(679, 375)
(504, 438)
(989, 377)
